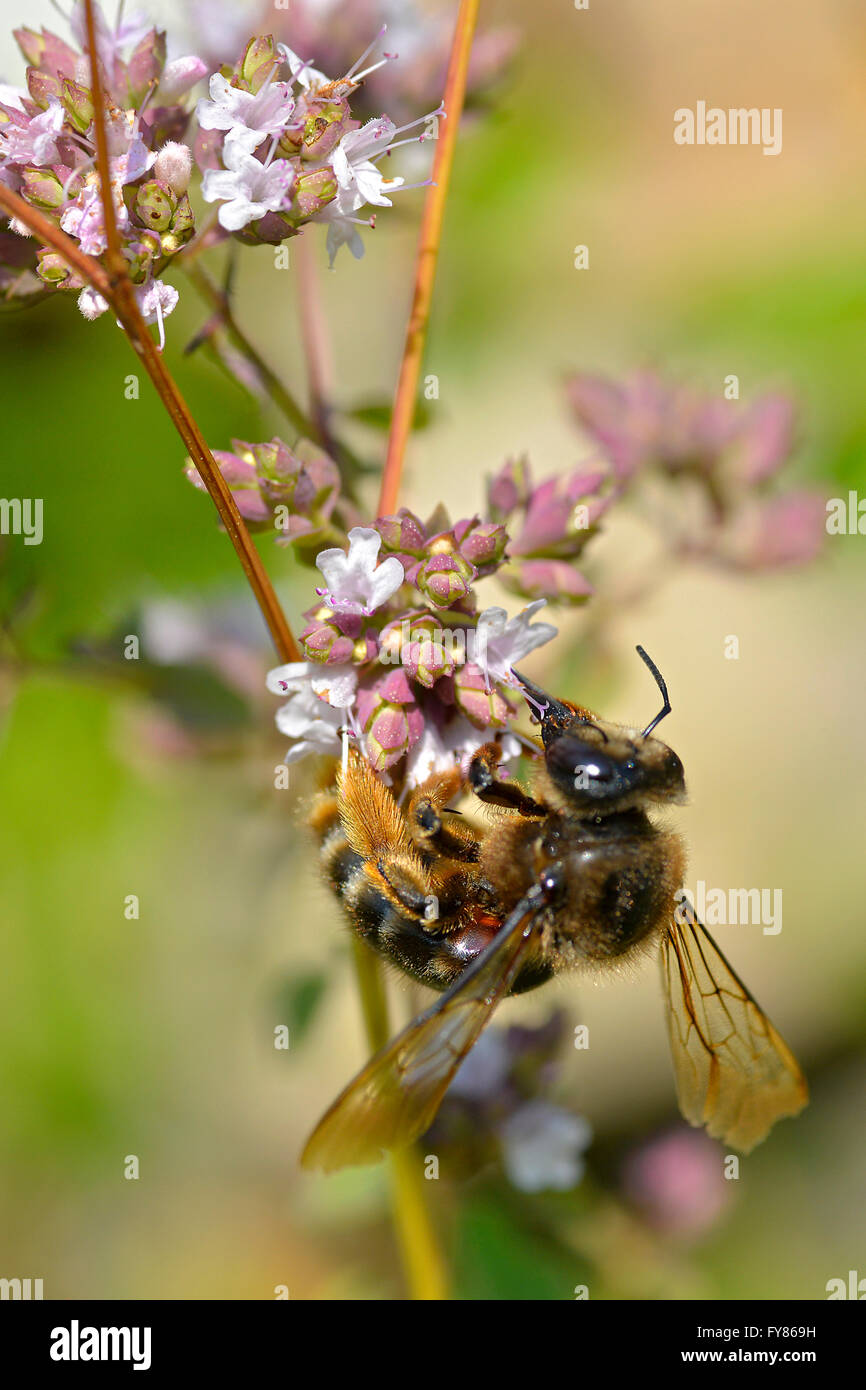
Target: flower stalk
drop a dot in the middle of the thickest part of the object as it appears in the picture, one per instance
(422, 1258)
(429, 239)
(116, 287)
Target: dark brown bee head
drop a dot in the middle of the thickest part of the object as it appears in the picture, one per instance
(600, 767)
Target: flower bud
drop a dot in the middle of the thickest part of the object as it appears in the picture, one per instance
(312, 192)
(52, 268)
(78, 105)
(141, 254)
(42, 86)
(509, 488)
(182, 227)
(258, 62)
(178, 76)
(403, 531)
(322, 640)
(173, 166)
(390, 718)
(42, 188)
(324, 128)
(481, 706)
(154, 205)
(441, 580)
(484, 547)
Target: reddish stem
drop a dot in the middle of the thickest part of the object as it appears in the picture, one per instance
(426, 257)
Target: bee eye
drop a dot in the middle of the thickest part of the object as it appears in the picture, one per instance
(595, 771)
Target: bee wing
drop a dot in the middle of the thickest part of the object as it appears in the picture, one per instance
(395, 1097)
(734, 1073)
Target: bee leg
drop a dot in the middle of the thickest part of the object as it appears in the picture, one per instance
(488, 787)
(410, 895)
(434, 838)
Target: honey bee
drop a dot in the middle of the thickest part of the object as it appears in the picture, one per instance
(574, 876)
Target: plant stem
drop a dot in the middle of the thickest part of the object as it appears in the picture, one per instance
(115, 286)
(49, 234)
(317, 352)
(427, 254)
(422, 1258)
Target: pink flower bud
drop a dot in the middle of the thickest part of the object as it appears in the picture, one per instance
(390, 718)
(551, 579)
(481, 706)
(442, 579)
(509, 488)
(178, 77)
(403, 531)
(484, 547)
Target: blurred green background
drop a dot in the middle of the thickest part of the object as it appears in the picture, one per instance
(154, 1036)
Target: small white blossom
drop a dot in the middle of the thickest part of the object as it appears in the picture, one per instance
(156, 300)
(342, 228)
(354, 582)
(543, 1146)
(246, 187)
(356, 175)
(250, 116)
(303, 73)
(91, 303)
(501, 642)
(319, 698)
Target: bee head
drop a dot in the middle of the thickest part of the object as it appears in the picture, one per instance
(604, 767)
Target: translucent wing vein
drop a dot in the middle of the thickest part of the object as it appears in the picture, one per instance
(734, 1073)
(394, 1098)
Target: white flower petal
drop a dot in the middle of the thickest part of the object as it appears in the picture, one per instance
(542, 1147)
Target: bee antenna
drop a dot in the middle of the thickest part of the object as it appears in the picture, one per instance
(660, 682)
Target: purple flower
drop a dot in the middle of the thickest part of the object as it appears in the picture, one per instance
(560, 513)
(555, 580)
(677, 1182)
(32, 139)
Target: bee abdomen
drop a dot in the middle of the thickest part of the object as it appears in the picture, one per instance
(435, 958)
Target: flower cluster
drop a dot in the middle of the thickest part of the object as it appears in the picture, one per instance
(336, 32)
(551, 524)
(294, 492)
(279, 153)
(277, 147)
(717, 461)
(397, 652)
(48, 153)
